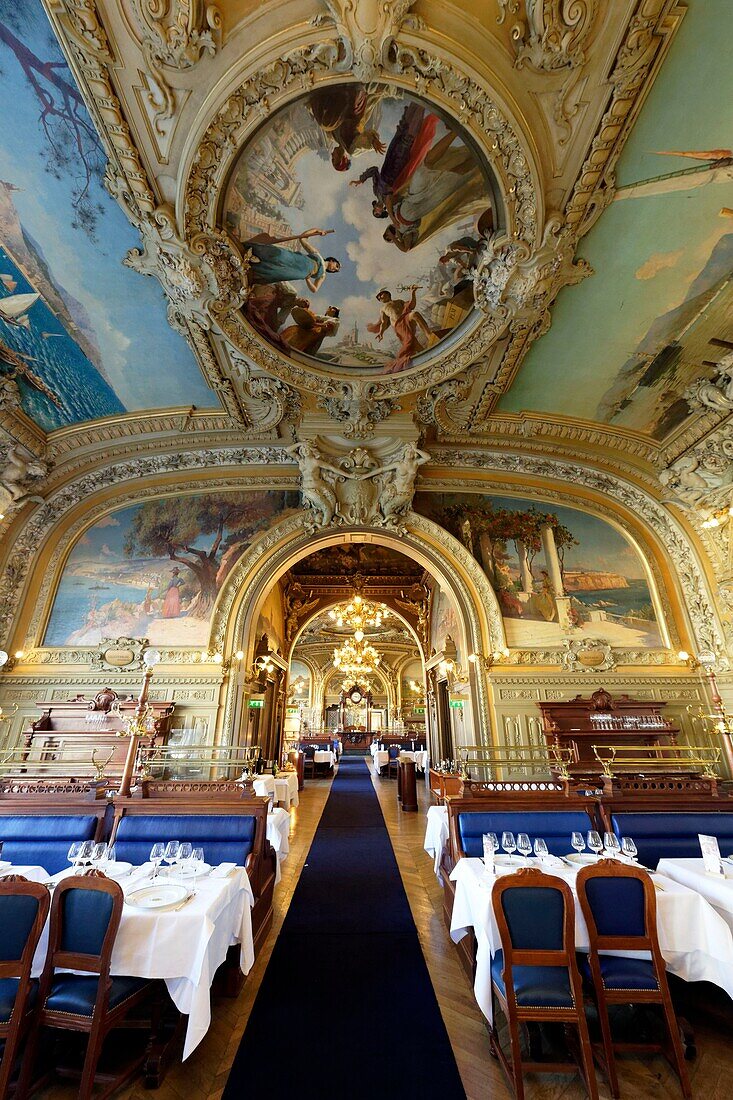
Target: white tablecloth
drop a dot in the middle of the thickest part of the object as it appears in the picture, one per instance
(33, 874)
(695, 941)
(278, 834)
(380, 758)
(419, 756)
(183, 947)
(324, 756)
(716, 890)
(436, 836)
(284, 788)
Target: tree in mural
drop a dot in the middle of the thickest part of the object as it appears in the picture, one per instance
(174, 527)
(74, 149)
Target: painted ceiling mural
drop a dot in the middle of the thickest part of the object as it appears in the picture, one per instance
(557, 572)
(365, 210)
(154, 570)
(367, 558)
(78, 330)
(626, 344)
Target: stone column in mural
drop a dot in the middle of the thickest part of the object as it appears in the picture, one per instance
(562, 602)
(525, 573)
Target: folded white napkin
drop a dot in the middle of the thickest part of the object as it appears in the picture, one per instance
(223, 870)
(553, 863)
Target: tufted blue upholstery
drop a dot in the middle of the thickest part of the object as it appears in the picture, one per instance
(617, 905)
(535, 918)
(660, 835)
(555, 826)
(84, 921)
(71, 993)
(535, 986)
(17, 914)
(43, 841)
(224, 838)
(618, 972)
(8, 993)
(393, 752)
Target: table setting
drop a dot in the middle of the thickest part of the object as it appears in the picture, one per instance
(282, 787)
(179, 919)
(695, 940)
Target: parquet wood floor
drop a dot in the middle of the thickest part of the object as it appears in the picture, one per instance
(204, 1074)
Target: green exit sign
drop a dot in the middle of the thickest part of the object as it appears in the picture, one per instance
(256, 704)
(456, 704)
(418, 710)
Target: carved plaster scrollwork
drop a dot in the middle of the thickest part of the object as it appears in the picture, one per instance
(716, 393)
(367, 31)
(21, 477)
(587, 655)
(357, 409)
(176, 34)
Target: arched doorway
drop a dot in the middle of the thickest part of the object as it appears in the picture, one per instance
(464, 589)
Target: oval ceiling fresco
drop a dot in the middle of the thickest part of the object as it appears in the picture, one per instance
(366, 211)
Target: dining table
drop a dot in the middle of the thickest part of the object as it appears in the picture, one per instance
(418, 756)
(283, 787)
(695, 941)
(716, 889)
(182, 945)
(324, 756)
(278, 834)
(436, 836)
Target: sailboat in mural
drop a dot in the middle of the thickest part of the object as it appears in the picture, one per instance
(14, 310)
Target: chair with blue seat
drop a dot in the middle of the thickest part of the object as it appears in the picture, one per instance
(554, 826)
(23, 910)
(393, 760)
(619, 905)
(85, 918)
(672, 835)
(535, 975)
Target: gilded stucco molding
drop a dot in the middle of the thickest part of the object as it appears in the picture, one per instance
(696, 596)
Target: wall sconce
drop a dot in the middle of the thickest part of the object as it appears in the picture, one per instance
(487, 663)
(717, 519)
(7, 661)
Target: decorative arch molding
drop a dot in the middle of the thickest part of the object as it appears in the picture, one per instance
(235, 613)
(671, 535)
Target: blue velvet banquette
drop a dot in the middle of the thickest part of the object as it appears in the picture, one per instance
(554, 826)
(43, 840)
(225, 838)
(673, 835)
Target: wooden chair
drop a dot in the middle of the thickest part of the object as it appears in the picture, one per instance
(620, 909)
(535, 975)
(85, 918)
(309, 763)
(23, 910)
(393, 761)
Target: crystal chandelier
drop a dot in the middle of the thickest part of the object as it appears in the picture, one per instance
(358, 614)
(355, 658)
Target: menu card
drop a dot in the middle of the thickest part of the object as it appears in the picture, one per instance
(489, 857)
(710, 854)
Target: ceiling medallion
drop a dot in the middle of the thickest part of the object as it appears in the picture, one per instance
(364, 213)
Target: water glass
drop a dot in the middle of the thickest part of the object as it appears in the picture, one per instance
(524, 845)
(508, 843)
(157, 853)
(540, 848)
(171, 852)
(629, 848)
(577, 842)
(611, 844)
(594, 842)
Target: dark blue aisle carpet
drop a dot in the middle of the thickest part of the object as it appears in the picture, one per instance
(346, 1009)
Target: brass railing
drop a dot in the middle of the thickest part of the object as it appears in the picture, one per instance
(492, 758)
(202, 761)
(656, 759)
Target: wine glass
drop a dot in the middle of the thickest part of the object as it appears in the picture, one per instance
(86, 851)
(611, 844)
(99, 853)
(197, 862)
(509, 844)
(171, 852)
(629, 848)
(110, 857)
(185, 851)
(157, 853)
(524, 845)
(540, 847)
(73, 855)
(577, 842)
(594, 842)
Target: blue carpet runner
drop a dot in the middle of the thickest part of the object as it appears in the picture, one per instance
(346, 1009)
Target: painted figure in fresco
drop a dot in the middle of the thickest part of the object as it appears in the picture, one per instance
(447, 185)
(310, 329)
(268, 306)
(405, 320)
(405, 153)
(276, 264)
(172, 598)
(344, 114)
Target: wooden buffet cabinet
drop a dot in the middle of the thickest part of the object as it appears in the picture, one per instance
(602, 720)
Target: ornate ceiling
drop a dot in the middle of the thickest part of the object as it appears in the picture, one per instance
(556, 179)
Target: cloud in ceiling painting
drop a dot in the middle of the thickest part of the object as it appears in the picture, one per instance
(657, 262)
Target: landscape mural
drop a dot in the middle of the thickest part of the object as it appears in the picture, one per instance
(365, 211)
(557, 572)
(657, 314)
(154, 570)
(78, 330)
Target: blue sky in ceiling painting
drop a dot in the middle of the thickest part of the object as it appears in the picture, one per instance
(97, 338)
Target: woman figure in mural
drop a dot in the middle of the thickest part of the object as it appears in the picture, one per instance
(172, 598)
(447, 185)
(344, 114)
(276, 264)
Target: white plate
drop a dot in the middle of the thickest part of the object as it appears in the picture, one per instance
(509, 861)
(583, 857)
(4, 864)
(161, 895)
(117, 870)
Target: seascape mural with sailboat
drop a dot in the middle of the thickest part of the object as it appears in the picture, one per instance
(78, 330)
